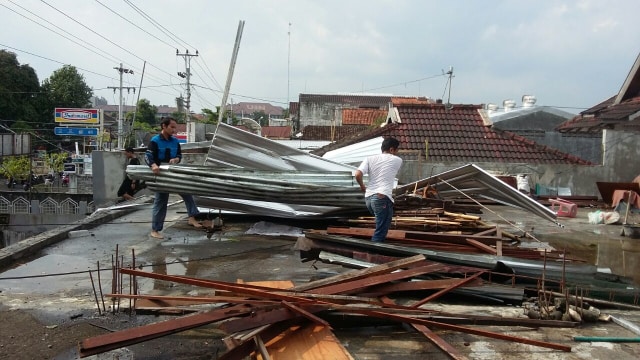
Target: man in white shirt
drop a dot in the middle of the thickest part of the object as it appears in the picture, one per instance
(382, 170)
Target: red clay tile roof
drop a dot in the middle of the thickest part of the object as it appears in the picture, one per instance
(605, 115)
(276, 132)
(459, 134)
(363, 116)
(397, 101)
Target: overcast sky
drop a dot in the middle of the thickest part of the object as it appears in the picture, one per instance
(569, 54)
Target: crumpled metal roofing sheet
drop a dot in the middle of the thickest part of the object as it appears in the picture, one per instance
(355, 153)
(472, 181)
(232, 147)
(335, 188)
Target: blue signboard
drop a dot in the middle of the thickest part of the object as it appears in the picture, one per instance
(76, 131)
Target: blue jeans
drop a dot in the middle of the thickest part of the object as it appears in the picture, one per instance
(159, 211)
(382, 208)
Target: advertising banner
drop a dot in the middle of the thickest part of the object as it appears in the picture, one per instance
(77, 116)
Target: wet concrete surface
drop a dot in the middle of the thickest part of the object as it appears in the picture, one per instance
(54, 285)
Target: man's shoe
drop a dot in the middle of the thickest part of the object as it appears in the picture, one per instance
(156, 235)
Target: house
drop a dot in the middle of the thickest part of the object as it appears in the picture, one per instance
(446, 133)
(538, 123)
(247, 109)
(619, 112)
(327, 110)
(335, 117)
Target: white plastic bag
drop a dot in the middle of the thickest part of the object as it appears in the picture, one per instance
(595, 217)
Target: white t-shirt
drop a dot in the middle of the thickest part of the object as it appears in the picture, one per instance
(382, 170)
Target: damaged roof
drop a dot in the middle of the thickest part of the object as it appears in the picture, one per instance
(621, 111)
(459, 133)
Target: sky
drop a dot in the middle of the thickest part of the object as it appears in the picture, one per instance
(568, 54)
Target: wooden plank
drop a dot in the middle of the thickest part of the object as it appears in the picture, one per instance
(385, 289)
(444, 291)
(306, 314)
(106, 342)
(246, 289)
(485, 248)
(416, 235)
(265, 316)
(464, 329)
(362, 273)
(354, 285)
(439, 342)
(308, 342)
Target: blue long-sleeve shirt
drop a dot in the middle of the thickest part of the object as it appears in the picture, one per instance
(162, 150)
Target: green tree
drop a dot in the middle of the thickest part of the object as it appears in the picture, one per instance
(179, 116)
(210, 116)
(21, 127)
(19, 87)
(66, 88)
(16, 167)
(145, 113)
(56, 161)
(261, 118)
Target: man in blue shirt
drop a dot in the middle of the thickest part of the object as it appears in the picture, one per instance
(166, 148)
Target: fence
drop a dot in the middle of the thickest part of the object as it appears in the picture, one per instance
(21, 205)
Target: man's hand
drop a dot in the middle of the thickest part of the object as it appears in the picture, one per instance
(174, 161)
(155, 168)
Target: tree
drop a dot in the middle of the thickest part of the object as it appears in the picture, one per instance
(16, 167)
(100, 101)
(66, 88)
(261, 118)
(56, 161)
(145, 113)
(210, 116)
(19, 86)
(179, 116)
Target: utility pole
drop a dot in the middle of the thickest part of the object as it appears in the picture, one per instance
(121, 70)
(288, 69)
(191, 129)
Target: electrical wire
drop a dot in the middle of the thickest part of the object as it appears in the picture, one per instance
(134, 24)
(159, 26)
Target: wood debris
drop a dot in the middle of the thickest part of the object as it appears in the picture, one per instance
(265, 319)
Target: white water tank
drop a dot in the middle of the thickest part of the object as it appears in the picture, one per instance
(508, 105)
(528, 101)
(492, 108)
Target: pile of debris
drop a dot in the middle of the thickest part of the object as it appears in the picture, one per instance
(267, 317)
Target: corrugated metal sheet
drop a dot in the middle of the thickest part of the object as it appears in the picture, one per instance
(236, 148)
(245, 172)
(472, 181)
(355, 153)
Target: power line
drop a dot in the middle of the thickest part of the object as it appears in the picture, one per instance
(55, 32)
(159, 26)
(405, 83)
(56, 61)
(134, 24)
(102, 36)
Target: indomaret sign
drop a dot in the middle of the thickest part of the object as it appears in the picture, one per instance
(77, 116)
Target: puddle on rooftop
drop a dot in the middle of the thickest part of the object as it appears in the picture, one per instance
(41, 275)
(618, 253)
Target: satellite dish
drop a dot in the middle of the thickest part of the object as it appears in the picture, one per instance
(253, 125)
